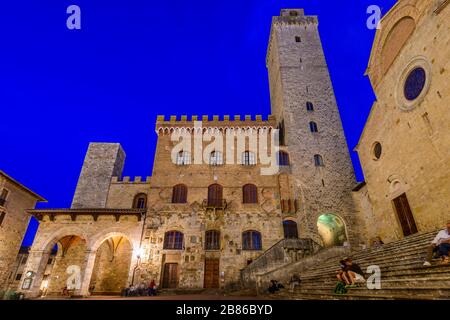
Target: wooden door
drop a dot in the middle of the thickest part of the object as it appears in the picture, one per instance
(170, 275)
(405, 215)
(211, 273)
(215, 195)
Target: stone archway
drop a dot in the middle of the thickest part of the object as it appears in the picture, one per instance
(112, 265)
(68, 266)
(65, 272)
(332, 230)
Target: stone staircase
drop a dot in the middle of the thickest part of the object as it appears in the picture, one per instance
(402, 274)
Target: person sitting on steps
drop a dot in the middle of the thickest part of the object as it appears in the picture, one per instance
(354, 273)
(275, 286)
(295, 281)
(377, 243)
(441, 245)
(342, 273)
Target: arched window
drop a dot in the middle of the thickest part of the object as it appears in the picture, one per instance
(313, 126)
(250, 193)
(212, 240)
(290, 229)
(282, 133)
(251, 240)
(140, 201)
(183, 158)
(179, 194)
(248, 158)
(318, 160)
(173, 240)
(215, 192)
(309, 106)
(283, 158)
(2, 217)
(216, 158)
(3, 196)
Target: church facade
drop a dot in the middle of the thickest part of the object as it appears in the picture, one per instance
(405, 146)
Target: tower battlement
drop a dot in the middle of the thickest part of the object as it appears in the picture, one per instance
(289, 18)
(128, 180)
(223, 122)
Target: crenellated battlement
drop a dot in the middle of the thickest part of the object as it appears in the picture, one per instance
(287, 19)
(128, 180)
(220, 122)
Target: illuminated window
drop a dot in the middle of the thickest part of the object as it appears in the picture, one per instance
(173, 240)
(251, 240)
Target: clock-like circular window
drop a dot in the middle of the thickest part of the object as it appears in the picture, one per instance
(415, 83)
(377, 150)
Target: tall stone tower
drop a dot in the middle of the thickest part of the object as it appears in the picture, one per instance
(303, 101)
(102, 162)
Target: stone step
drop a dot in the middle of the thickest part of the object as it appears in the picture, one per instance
(440, 292)
(403, 276)
(400, 251)
(419, 253)
(400, 271)
(410, 275)
(392, 247)
(424, 238)
(349, 296)
(419, 250)
(384, 266)
(411, 282)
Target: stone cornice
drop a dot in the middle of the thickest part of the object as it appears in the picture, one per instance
(94, 212)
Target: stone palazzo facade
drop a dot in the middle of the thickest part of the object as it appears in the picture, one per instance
(405, 146)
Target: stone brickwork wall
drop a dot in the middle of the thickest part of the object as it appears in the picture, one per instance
(414, 135)
(75, 255)
(298, 74)
(103, 161)
(112, 266)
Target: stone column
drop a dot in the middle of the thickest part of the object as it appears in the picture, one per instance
(134, 265)
(87, 274)
(37, 262)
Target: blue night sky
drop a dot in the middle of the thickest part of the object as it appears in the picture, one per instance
(61, 89)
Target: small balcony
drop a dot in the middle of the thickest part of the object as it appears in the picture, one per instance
(2, 202)
(220, 204)
(289, 206)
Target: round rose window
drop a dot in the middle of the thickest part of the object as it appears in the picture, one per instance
(414, 84)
